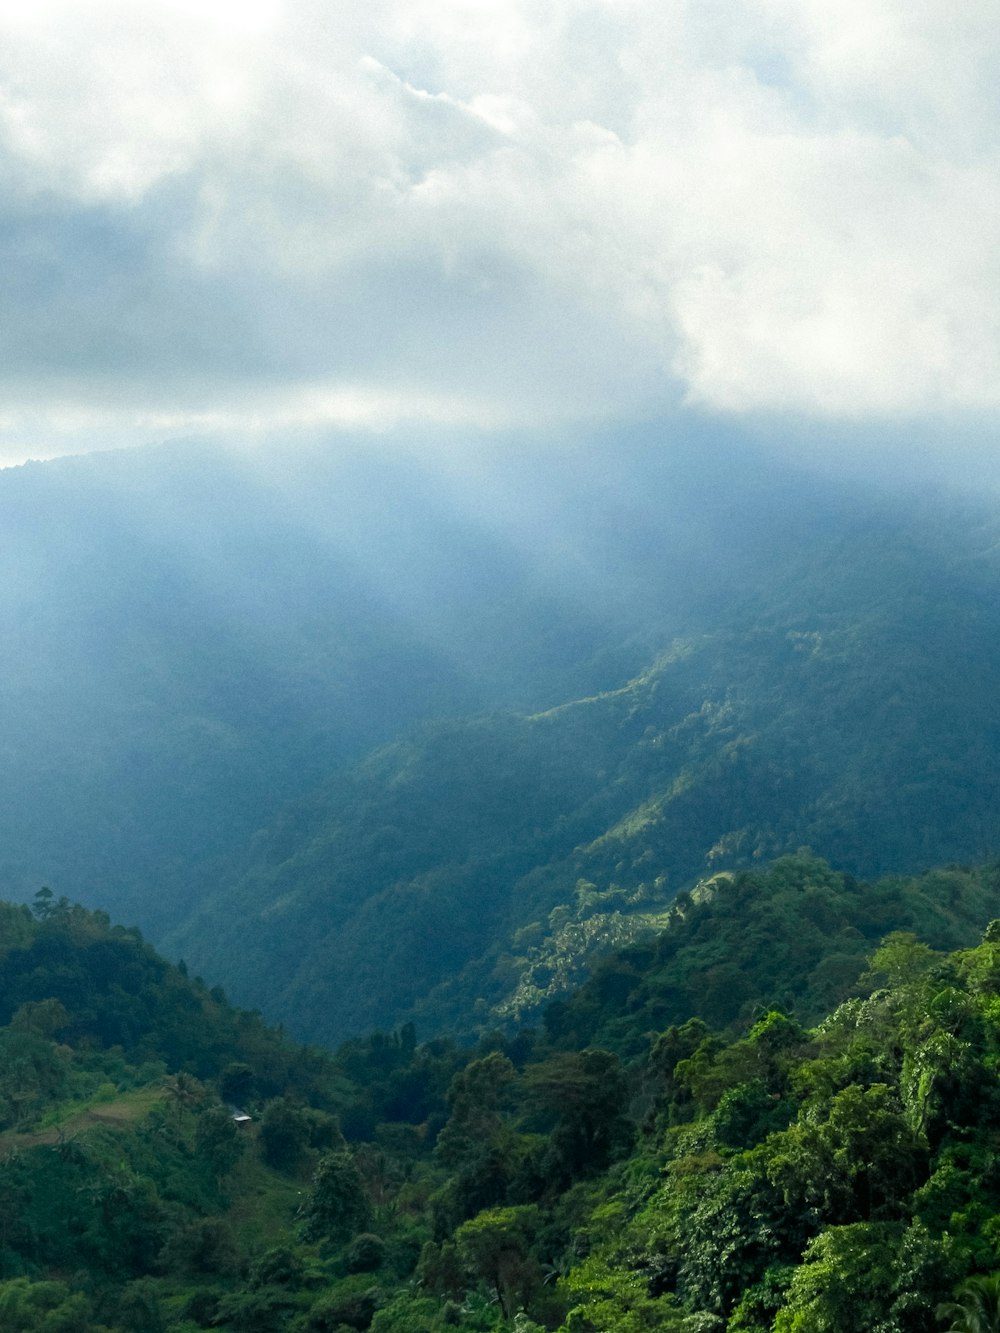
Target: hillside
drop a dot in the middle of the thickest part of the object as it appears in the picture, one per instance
(419, 732)
(846, 703)
(191, 637)
(810, 1171)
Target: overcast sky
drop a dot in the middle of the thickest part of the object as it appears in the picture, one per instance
(221, 217)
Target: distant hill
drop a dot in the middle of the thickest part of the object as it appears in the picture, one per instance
(372, 732)
(191, 637)
(468, 873)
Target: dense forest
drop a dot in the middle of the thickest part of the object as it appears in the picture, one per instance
(371, 737)
(848, 705)
(811, 1151)
(499, 673)
(191, 637)
(500, 774)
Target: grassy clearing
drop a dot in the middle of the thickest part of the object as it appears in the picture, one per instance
(78, 1117)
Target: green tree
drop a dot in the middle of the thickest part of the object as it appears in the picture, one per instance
(284, 1134)
(337, 1207)
(976, 1307)
(43, 1307)
(869, 1275)
(236, 1082)
(218, 1139)
(478, 1142)
(858, 1163)
(43, 1018)
(736, 1228)
(476, 1097)
(496, 1248)
(587, 1095)
(139, 1309)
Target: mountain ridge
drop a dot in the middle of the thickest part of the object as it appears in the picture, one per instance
(866, 734)
(402, 704)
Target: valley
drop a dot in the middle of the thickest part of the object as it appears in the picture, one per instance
(371, 739)
(628, 862)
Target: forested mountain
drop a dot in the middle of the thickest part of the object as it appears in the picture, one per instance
(191, 637)
(378, 734)
(170, 1165)
(846, 703)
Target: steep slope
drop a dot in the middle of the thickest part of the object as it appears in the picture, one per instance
(847, 704)
(763, 1176)
(793, 935)
(190, 637)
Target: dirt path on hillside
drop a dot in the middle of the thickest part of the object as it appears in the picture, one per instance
(125, 1111)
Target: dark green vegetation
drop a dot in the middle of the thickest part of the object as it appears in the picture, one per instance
(371, 737)
(376, 744)
(848, 705)
(665, 1153)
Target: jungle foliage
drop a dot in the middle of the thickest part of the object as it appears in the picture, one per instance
(848, 704)
(403, 734)
(823, 1167)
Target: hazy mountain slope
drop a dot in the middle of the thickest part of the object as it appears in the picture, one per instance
(712, 656)
(792, 935)
(848, 704)
(189, 637)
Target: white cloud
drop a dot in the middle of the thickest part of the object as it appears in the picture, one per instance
(566, 207)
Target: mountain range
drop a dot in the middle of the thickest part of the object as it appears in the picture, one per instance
(370, 735)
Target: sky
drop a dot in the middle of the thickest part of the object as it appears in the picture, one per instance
(242, 217)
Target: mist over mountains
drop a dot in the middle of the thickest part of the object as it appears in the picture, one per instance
(350, 728)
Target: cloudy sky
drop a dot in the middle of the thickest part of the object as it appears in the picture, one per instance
(225, 216)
